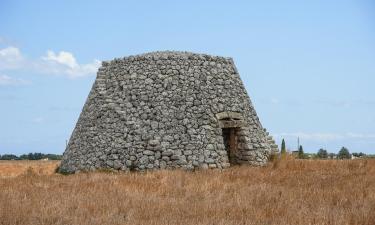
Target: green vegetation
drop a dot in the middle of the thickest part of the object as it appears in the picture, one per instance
(31, 156)
(283, 147)
(361, 154)
(301, 154)
(344, 153)
(322, 154)
(8, 157)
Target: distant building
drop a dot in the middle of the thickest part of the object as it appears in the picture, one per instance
(294, 153)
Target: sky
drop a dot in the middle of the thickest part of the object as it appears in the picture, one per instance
(308, 66)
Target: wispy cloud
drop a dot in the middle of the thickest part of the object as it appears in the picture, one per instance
(325, 136)
(10, 58)
(362, 136)
(336, 103)
(10, 81)
(60, 63)
(38, 120)
(324, 102)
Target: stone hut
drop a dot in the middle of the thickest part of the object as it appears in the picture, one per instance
(167, 110)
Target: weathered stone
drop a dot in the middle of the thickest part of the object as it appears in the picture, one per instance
(163, 165)
(188, 152)
(128, 163)
(210, 147)
(109, 163)
(167, 153)
(117, 164)
(212, 166)
(154, 143)
(143, 160)
(166, 110)
(165, 158)
(204, 166)
(154, 125)
(175, 157)
(148, 152)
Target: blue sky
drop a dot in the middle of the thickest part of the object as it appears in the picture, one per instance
(309, 66)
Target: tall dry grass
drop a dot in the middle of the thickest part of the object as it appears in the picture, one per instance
(286, 192)
(14, 168)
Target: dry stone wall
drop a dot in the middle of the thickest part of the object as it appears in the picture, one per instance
(160, 110)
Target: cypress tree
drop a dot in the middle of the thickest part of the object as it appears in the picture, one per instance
(283, 148)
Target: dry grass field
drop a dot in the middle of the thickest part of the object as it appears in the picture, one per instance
(284, 192)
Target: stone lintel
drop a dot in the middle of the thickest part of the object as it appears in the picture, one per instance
(231, 123)
(229, 115)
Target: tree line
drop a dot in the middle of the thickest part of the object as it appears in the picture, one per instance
(31, 156)
(343, 153)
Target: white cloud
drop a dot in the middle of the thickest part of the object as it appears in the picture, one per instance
(10, 58)
(10, 81)
(61, 63)
(65, 63)
(64, 58)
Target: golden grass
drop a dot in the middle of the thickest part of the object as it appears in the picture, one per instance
(14, 168)
(286, 192)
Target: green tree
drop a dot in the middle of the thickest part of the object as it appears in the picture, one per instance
(343, 153)
(283, 148)
(9, 157)
(356, 154)
(301, 154)
(322, 154)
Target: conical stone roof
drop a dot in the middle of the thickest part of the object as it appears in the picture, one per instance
(167, 110)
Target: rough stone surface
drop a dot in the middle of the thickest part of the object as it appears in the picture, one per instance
(166, 110)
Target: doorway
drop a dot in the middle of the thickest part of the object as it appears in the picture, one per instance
(230, 143)
(231, 124)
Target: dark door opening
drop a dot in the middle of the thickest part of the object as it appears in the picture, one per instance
(230, 143)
